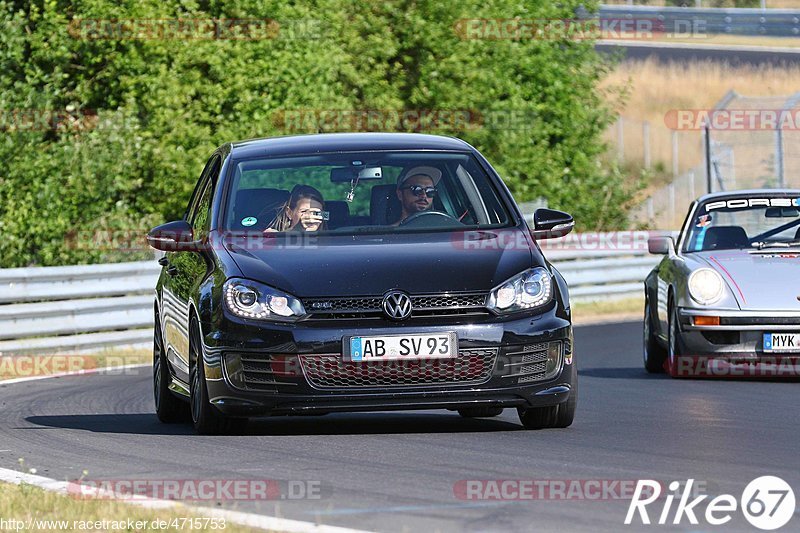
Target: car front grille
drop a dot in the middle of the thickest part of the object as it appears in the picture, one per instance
(529, 363)
(472, 366)
(371, 307)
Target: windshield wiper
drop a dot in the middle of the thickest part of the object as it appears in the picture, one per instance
(776, 244)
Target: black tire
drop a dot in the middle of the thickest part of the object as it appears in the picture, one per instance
(566, 410)
(554, 416)
(674, 349)
(206, 419)
(480, 412)
(654, 354)
(169, 408)
(538, 417)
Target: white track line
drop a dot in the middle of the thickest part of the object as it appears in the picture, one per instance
(269, 523)
(73, 373)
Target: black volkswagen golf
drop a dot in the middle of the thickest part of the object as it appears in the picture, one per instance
(358, 272)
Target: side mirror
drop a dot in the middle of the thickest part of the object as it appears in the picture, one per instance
(551, 224)
(660, 245)
(176, 236)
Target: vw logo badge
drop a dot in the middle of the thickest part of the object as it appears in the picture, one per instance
(397, 305)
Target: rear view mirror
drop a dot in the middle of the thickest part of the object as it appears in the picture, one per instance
(348, 174)
(660, 245)
(551, 224)
(782, 212)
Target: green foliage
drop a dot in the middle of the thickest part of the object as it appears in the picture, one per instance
(139, 117)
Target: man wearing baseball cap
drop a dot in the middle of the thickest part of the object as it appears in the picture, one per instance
(416, 190)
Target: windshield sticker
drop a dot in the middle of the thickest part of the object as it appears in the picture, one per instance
(779, 256)
(744, 203)
(249, 221)
(703, 221)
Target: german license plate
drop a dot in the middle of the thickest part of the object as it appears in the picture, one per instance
(782, 342)
(406, 346)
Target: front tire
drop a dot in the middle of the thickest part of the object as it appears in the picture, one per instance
(553, 416)
(480, 412)
(169, 409)
(653, 353)
(206, 419)
(674, 349)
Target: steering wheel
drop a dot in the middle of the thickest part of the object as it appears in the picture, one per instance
(430, 218)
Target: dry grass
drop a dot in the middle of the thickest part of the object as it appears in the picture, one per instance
(596, 312)
(744, 40)
(24, 502)
(653, 89)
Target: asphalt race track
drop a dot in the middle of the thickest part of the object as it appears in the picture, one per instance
(397, 471)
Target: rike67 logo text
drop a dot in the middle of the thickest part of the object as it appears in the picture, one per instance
(767, 503)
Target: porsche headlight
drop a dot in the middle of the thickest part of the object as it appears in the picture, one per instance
(706, 286)
(531, 289)
(250, 299)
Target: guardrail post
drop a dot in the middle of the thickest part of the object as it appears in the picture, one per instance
(675, 154)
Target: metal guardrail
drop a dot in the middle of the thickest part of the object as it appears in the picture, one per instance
(73, 308)
(735, 21)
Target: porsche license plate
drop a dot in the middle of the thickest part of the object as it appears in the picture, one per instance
(782, 342)
(406, 346)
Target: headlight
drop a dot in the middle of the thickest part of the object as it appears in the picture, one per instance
(706, 286)
(249, 299)
(528, 290)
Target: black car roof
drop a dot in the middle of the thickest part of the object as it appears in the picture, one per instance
(343, 142)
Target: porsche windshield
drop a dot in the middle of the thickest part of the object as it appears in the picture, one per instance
(745, 223)
(363, 192)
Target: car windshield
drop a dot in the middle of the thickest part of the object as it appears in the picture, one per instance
(756, 222)
(350, 193)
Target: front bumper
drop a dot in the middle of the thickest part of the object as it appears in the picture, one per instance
(739, 333)
(283, 370)
(735, 347)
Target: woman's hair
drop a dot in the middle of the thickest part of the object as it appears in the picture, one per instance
(283, 222)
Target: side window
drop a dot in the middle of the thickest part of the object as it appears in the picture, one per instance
(200, 216)
(211, 168)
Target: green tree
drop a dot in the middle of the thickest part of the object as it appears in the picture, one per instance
(139, 117)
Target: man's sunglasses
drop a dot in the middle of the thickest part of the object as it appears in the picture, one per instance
(419, 190)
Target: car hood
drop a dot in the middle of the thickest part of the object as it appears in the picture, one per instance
(329, 266)
(767, 280)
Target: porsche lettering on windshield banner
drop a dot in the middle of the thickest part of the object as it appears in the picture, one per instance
(745, 203)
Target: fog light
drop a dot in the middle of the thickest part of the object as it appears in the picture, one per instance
(234, 370)
(706, 321)
(553, 359)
